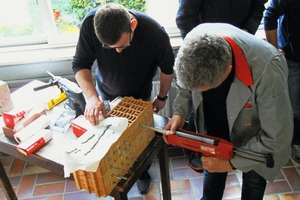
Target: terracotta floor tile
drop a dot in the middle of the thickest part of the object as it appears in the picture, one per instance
(154, 192)
(52, 188)
(292, 196)
(233, 192)
(180, 185)
(232, 180)
(49, 177)
(182, 195)
(277, 187)
(71, 186)
(26, 186)
(271, 197)
(6, 161)
(185, 173)
(37, 198)
(197, 187)
(56, 197)
(6, 169)
(279, 176)
(15, 181)
(293, 177)
(17, 167)
(195, 174)
(33, 169)
(79, 195)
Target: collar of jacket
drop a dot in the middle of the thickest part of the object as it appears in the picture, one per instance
(242, 69)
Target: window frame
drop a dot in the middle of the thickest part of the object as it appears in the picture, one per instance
(24, 49)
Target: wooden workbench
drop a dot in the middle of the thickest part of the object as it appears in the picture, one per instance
(50, 157)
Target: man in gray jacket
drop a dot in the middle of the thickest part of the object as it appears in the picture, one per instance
(240, 93)
(244, 14)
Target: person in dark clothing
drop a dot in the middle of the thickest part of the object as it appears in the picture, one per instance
(244, 14)
(128, 47)
(282, 29)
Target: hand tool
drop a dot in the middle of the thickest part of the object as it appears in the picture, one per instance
(210, 146)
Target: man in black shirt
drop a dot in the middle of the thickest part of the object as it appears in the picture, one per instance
(128, 47)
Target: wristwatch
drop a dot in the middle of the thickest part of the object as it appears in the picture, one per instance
(162, 98)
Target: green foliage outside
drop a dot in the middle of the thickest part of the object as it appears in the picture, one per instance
(76, 10)
(67, 14)
(81, 7)
(31, 28)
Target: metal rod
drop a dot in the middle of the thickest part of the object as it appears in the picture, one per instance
(197, 138)
(184, 135)
(119, 177)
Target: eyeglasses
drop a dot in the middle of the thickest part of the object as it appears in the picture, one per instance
(120, 47)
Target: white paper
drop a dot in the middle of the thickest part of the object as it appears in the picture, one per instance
(86, 152)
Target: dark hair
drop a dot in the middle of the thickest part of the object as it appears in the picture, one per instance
(110, 22)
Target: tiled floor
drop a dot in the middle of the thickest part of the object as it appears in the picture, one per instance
(34, 183)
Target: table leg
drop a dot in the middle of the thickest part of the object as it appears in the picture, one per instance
(8, 189)
(164, 172)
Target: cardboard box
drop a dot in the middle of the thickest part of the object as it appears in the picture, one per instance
(80, 125)
(29, 117)
(9, 132)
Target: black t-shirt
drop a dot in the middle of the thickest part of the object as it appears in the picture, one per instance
(215, 113)
(130, 72)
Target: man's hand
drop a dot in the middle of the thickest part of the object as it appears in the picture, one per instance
(216, 165)
(94, 110)
(175, 123)
(158, 104)
(94, 106)
(282, 52)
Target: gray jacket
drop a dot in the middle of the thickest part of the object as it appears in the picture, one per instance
(267, 125)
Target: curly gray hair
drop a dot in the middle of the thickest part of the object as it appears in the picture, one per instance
(201, 61)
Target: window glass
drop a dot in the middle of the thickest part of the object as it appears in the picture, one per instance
(22, 20)
(163, 11)
(17, 24)
(58, 21)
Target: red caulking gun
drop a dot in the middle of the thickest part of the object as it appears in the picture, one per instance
(211, 146)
